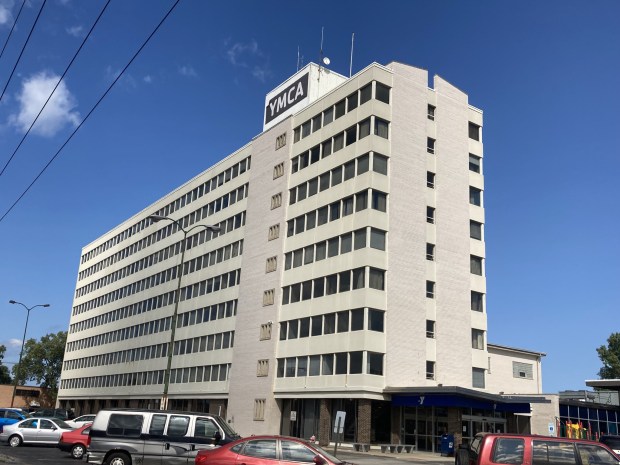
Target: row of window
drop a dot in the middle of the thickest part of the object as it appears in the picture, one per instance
(340, 363)
(337, 175)
(336, 210)
(227, 226)
(338, 245)
(172, 228)
(350, 103)
(380, 127)
(205, 343)
(191, 196)
(344, 281)
(197, 374)
(208, 286)
(331, 323)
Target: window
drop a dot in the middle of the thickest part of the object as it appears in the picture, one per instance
(365, 93)
(381, 128)
(474, 131)
(431, 112)
(430, 289)
(594, 454)
(375, 320)
(328, 116)
(377, 239)
(125, 425)
(477, 299)
(379, 201)
(430, 145)
(357, 319)
(374, 363)
(361, 201)
(430, 179)
(475, 196)
(316, 123)
(475, 265)
(430, 215)
(430, 329)
(430, 370)
(352, 101)
(355, 362)
(382, 92)
(295, 452)
(508, 451)
(522, 370)
(363, 163)
(475, 230)
(474, 163)
(477, 339)
(340, 109)
(477, 378)
(379, 163)
(328, 364)
(359, 239)
(364, 128)
(430, 251)
(376, 279)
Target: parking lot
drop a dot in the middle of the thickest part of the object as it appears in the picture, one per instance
(34, 455)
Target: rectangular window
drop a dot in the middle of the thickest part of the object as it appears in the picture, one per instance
(477, 301)
(344, 281)
(326, 148)
(305, 129)
(349, 170)
(365, 93)
(376, 279)
(324, 181)
(332, 246)
(474, 163)
(477, 339)
(322, 216)
(430, 289)
(431, 112)
(379, 201)
(364, 128)
(430, 370)
(359, 239)
(430, 179)
(355, 362)
(343, 322)
(430, 145)
(361, 201)
(430, 215)
(316, 123)
(475, 230)
(430, 329)
(382, 92)
(475, 196)
(357, 319)
(374, 363)
(329, 326)
(347, 206)
(321, 251)
(379, 163)
(475, 265)
(315, 365)
(351, 135)
(328, 116)
(346, 243)
(430, 251)
(328, 364)
(317, 325)
(376, 320)
(341, 363)
(477, 378)
(352, 101)
(363, 164)
(310, 220)
(338, 141)
(313, 186)
(359, 278)
(336, 176)
(381, 128)
(319, 287)
(377, 239)
(331, 284)
(340, 109)
(474, 131)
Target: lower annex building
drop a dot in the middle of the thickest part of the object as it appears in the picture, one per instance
(347, 274)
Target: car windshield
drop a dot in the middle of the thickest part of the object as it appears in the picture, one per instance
(226, 427)
(62, 424)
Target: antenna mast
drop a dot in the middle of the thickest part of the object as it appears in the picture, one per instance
(351, 61)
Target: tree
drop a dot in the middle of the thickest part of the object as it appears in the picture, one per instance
(5, 376)
(42, 361)
(610, 356)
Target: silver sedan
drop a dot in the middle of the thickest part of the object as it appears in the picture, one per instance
(34, 431)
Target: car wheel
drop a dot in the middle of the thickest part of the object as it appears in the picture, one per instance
(462, 457)
(15, 441)
(118, 458)
(78, 451)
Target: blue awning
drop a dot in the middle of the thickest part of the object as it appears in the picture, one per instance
(451, 400)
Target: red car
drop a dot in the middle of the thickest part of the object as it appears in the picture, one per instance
(266, 450)
(76, 441)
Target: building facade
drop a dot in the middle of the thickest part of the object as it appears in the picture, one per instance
(347, 275)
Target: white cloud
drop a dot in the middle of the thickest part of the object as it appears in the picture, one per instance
(249, 55)
(59, 112)
(75, 31)
(188, 71)
(148, 79)
(5, 12)
(14, 343)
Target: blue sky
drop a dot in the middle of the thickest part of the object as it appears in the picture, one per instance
(545, 73)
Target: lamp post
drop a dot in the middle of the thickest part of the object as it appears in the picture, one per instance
(173, 324)
(21, 352)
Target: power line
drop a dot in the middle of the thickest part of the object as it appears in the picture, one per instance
(55, 87)
(23, 48)
(13, 27)
(91, 110)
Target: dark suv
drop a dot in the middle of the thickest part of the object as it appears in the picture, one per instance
(60, 413)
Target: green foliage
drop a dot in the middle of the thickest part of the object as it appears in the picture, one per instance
(5, 376)
(610, 356)
(42, 361)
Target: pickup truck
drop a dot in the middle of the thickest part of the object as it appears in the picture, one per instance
(514, 449)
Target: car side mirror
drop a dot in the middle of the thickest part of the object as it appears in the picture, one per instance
(217, 437)
(318, 460)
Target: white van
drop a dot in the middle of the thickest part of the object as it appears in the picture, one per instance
(148, 437)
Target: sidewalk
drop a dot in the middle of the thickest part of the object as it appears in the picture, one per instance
(415, 456)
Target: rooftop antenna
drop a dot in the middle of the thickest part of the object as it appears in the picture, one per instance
(322, 60)
(298, 58)
(351, 61)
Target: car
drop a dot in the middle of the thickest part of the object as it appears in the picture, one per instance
(9, 416)
(60, 413)
(266, 450)
(34, 431)
(611, 441)
(81, 420)
(76, 442)
(516, 449)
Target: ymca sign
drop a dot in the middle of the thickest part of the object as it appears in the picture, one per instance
(286, 99)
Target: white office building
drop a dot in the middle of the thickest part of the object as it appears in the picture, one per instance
(348, 275)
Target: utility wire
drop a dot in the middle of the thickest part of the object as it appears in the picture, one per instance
(23, 48)
(91, 111)
(12, 27)
(55, 87)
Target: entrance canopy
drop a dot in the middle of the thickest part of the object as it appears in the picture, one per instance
(452, 396)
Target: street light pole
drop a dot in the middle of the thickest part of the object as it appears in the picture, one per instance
(173, 324)
(21, 352)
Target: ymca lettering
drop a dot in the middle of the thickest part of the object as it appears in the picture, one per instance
(286, 99)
